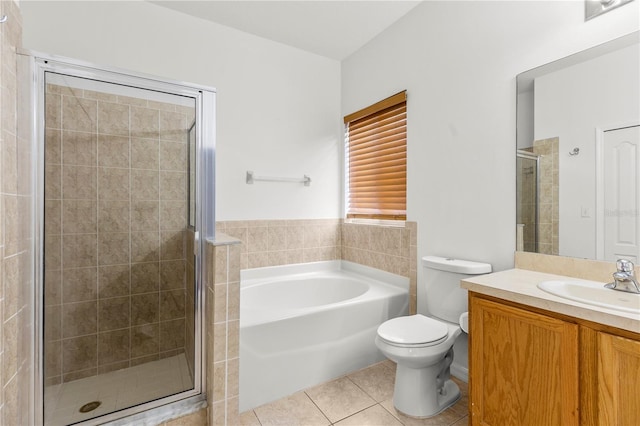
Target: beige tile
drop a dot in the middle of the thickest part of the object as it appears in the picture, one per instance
(53, 110)
(144, 123)
(113, 248)
(339, 399)
(171, 245)
(113, 183)
(53, 217)
(462, 422)
(79, 319)
(445, 418)
(144, 184)
(220, 303)
(10, 345)
(145, 247)
(79, 148)
(113, 346)
(79, 182)
(113, 119)
(372, 416)
(53, 181)
(99, 96)
(53, 359)
(296, 409)
(173, 215)
(173, 156)
(377, 381)
(113, 216)
(113, 313)
(145, 277)
(79, 114)
(79, 284)
(79, 217)
(145, 215)
(53, 323)
(233, 339)
(144, 154)
(233, 297)
(258, 239)
(172, 275)
(53, 249)
(145, 340)
(172, 334)
(233, 377)
(173, 185)
(113, 281)
(52, 287)
(144, 308)
(173, 126)
(248, 418)
(79, 353)
(113, 151)
(172, 305)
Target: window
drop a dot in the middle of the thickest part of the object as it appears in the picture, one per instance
(376, 139)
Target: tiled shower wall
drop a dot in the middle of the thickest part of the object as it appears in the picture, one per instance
(548, 195)
(16, 277)
(115, 220)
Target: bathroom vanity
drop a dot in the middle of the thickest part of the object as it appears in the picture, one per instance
(536, 358)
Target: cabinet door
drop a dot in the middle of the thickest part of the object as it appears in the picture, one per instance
(618, 376)
(523, 367)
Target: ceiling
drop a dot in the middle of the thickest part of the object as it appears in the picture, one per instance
(331, 28)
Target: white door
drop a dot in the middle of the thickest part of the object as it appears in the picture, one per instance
(621, 185)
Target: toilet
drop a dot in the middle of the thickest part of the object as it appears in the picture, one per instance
(422, 345)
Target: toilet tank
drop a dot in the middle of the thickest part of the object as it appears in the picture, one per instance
(445, 299)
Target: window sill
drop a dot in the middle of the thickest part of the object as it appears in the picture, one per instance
(377, 222)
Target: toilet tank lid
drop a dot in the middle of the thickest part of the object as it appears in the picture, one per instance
(456, 265)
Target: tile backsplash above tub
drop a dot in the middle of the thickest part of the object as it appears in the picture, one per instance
(284, 242)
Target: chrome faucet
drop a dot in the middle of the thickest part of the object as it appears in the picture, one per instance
(624, 279)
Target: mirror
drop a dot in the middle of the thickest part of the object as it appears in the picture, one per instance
(578, 154)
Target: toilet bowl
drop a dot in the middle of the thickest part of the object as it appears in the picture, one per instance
(422, 345)
(422, 349)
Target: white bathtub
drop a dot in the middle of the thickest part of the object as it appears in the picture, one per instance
(304, 324)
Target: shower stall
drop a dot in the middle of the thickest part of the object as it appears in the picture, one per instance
(124, 183)
(527, 176)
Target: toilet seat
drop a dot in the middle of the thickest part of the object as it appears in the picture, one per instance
(413, 331)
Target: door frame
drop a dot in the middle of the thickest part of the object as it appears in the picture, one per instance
(599, 133)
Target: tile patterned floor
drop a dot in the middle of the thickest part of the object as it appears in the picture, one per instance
(362, 398)
(116, 390)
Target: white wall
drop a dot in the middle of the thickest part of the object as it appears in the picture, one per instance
(278, 108)
(570, 104)
(458, 62)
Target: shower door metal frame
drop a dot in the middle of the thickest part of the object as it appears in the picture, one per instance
(33, 66)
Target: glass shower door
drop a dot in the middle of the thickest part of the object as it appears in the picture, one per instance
(527, 199)
(119, 287)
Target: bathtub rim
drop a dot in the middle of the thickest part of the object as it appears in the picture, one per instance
(253, 276)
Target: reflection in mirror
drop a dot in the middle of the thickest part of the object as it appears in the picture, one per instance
(584, 199)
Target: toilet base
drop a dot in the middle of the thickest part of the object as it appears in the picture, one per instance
(416, 394)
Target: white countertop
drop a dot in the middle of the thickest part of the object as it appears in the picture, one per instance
(520, 285)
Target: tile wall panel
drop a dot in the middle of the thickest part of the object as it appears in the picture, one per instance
(115, 225)
(16, 276)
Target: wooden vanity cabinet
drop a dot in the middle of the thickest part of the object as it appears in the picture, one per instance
(532, 367)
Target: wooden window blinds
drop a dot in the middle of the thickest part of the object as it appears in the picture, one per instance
(376, 150)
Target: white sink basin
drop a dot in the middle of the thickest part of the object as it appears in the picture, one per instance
(593, 293)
